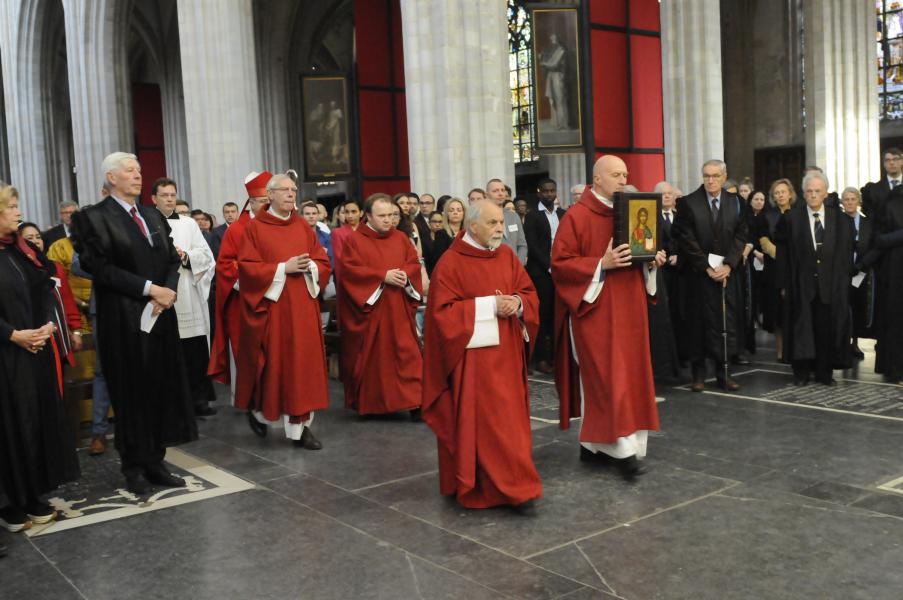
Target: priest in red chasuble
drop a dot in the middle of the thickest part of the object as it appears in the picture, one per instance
(224, 349)
(282, 363)
(482, 312)
(603, 369)
(379, 290)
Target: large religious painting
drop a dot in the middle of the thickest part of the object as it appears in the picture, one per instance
(327, 151)
(556, 53)
(636, 223)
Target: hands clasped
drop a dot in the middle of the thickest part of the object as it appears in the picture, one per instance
(720, 273)
(33, 340)
(162, 298)
(506, 306)
(298, 264)
(396, 277)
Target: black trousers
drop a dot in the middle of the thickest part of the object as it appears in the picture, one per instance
(133, 465)
(197, 356)
(822, 329)
(545, 289)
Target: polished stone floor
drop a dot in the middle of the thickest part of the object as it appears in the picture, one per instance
(768, 493)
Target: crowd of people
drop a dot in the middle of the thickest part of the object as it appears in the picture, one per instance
(442, 308)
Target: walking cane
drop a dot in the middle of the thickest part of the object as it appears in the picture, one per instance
(724, 325)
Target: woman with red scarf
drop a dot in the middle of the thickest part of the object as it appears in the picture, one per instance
(36, 454)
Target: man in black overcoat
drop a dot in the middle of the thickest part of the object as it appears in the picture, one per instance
(817, 243)
(135, 267)
(876, 193)
(540, 226)
(710, 232)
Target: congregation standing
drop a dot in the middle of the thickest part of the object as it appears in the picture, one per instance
(458, 297)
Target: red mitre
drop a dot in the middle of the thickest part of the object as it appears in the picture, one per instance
(256, 183)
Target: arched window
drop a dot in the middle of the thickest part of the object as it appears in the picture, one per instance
(520, 62)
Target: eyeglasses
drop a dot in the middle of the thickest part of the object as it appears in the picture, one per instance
(425, 202)
(294, 190)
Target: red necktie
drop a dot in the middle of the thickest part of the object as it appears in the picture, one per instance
(139, 222)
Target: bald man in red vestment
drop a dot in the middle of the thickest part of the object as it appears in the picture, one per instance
(224, 349)
(379, 290)
(482, 311)
(603, 368)
(282, 365)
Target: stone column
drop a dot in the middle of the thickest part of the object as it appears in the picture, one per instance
(841, 96)
(567, 170)
(457, 94)
(222, 110)
(4, 148)
(99, 95)
(691, 82)
(22, 42)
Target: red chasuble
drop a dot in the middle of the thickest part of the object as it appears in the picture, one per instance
(611, 334)
(476, 400)
(381, 360)
(282, 365)
(228, 313)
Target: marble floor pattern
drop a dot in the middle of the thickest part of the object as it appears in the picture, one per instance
(751, 495)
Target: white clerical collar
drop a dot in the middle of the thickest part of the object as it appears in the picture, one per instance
(278, 216)
(602, 199)
(472, 242)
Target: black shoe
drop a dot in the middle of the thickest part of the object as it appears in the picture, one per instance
(527, 508)
(157, 475)
(137, 485)
(631, 467)
(308, 441)
(39, 512)
(259, 429)
(829, 381)
(204, 410)
(14, 519)
(800, 381)
(587, 455)
(415, 416)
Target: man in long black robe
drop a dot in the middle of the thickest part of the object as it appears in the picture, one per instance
(889, 350)
(128, 251)
(710, 233)
(817, 243)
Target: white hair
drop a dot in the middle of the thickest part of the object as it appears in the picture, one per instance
(474, 210)
(851, 190)
(578, 188)
(67, 204)
(114, 162)
(630, 189)
(815, 175)
(660, 186)
(275, 179)
(716, 163)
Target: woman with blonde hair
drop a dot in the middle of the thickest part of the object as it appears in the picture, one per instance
(781, 196)
(453, 217)
(36, 454)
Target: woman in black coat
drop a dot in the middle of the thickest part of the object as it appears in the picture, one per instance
(36, 450)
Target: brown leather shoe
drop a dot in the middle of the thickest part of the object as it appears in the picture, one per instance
(697, 386)
(98, 445)
(729, 385)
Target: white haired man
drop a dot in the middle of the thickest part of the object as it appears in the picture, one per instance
(135, 267)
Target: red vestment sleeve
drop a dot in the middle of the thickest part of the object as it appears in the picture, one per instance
(73, 316)
(571, 269)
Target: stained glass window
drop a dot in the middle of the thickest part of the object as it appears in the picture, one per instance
(890, 57)
(520, 65)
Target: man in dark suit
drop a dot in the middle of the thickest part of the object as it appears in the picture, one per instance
(710, 233)
(230, 214)
(876, 193)
(425, 205)
(67, 209)
(135, 267)
(817, 242)
(540, 226)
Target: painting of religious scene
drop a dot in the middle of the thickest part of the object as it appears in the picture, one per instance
(557, 64)
(326, 136)
(643, 226)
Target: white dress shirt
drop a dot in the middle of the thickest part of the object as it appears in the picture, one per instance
(821, 217)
